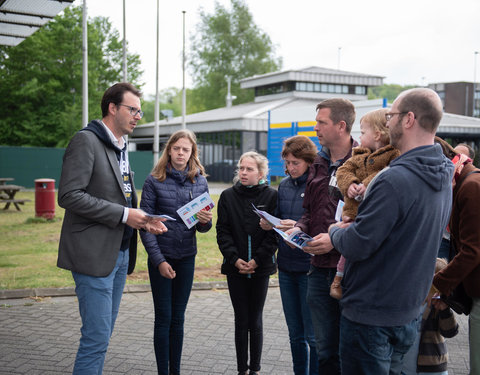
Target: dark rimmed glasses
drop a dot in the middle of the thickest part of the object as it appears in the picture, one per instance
(133, 111)
(389, 116)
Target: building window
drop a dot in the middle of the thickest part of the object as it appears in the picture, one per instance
(311, 87)
(301, 86)
(276, 88)
(360, 90)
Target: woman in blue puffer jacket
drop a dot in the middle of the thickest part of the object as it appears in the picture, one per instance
(293, 264)
(178, 178)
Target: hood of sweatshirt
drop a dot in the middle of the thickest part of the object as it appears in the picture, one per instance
(429, 164)
(99, 130)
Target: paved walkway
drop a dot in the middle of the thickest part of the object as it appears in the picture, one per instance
(41, 336)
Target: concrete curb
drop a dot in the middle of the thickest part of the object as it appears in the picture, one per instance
(129, 288)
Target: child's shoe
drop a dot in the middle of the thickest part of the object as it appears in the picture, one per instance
(336, 288)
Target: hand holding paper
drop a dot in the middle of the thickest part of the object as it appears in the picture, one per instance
(189, 212)
(286, 224)
(204, 216)
(320, 244)
(265, 225)
(272, 220)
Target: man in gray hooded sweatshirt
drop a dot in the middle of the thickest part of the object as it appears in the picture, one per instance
(392, 245)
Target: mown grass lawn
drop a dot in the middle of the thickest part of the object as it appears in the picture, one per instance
(28, 250)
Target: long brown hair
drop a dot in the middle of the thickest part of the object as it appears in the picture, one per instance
(194, 165)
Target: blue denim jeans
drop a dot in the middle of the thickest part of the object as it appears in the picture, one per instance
(325, 313)
(293, 290)
(366, 349)
(410, 359)
(170, 298)
(98, 300)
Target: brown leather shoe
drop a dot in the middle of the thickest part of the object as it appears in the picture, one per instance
(336, 288)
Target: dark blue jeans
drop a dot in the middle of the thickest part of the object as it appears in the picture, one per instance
(293, 289)
(325, 312)
(170, 298)
(366, 349)
(248, 298)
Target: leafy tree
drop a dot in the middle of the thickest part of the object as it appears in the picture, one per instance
(228, 43)
(389, 91)
(41, 79)
(170, 98)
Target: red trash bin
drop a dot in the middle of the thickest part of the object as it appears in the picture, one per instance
(45, 198)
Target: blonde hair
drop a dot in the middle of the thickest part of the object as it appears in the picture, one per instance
(440, 264)
(194, 165)
(262, 164)
(377, 121)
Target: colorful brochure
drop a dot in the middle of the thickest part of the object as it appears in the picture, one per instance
(188, 213)
(299, 238)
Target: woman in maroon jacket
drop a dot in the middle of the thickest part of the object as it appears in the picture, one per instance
(465, 266)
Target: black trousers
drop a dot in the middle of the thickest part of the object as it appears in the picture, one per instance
(248, 298)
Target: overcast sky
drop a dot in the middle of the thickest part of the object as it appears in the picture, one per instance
(407, 42)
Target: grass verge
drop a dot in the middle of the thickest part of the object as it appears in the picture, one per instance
(29, 246)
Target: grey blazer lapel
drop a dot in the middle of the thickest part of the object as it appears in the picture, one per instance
(112, 158)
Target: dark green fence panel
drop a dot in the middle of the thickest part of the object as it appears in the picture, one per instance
(141, 162)
(26, 164)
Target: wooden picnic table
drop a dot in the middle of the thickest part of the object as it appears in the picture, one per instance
(3, 180)
(7, 196)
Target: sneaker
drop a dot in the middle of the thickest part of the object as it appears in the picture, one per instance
(336, 288)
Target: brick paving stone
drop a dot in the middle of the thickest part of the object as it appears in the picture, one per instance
(42, 337)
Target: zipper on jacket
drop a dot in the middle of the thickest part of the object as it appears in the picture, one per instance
(297, 190)
(249, 253)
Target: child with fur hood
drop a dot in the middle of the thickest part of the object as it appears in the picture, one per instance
(353, 177)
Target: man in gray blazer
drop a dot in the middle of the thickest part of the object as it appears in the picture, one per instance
(98, 242)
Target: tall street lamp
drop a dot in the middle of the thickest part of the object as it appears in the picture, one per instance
(184, 95)
(475, 82)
